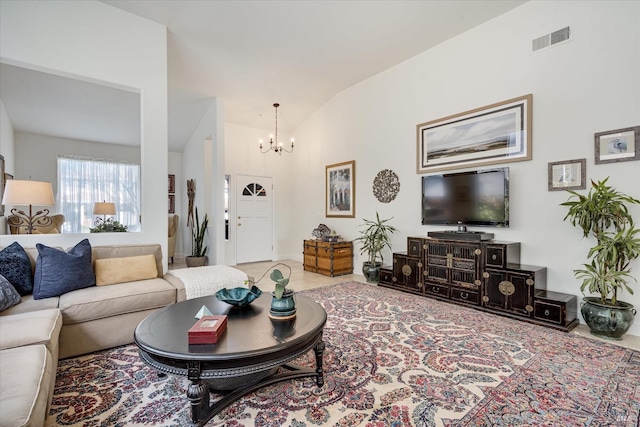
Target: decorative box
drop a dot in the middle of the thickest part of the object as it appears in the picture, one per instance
(207, 330)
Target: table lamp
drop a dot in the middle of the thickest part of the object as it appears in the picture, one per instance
(103, 208)
(32, 193)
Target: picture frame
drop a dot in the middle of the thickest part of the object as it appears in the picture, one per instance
(496, 133)
(172, 203)
(340, 190)
(620, 145)
(568, 175)
(172, 184)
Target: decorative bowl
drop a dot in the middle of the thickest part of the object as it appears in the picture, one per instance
(238, 297)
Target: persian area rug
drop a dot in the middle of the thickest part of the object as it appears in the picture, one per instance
(391, 359)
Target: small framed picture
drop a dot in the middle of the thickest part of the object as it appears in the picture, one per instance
(340, 190)
(568, 175)
(172, 203)
(620, 145)
(172, 183)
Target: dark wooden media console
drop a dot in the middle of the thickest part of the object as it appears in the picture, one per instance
(486, 275)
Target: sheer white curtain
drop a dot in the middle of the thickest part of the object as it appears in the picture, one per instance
(84, 181)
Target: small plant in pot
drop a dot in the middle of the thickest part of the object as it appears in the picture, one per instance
(283, 305)
(604, 215)
(198, 256)
(375, 236)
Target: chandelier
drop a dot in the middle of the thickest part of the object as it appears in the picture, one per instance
(274, 144)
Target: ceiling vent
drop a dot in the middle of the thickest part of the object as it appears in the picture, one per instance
(551, 39)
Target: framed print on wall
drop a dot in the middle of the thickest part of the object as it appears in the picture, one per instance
(496, 133)
(172, 203)
(568, 175)
(172, 184)
(620, 145)
(340, 190)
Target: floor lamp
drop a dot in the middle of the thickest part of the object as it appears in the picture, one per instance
(31, 193)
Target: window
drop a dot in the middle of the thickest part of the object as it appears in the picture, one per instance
(83, 182)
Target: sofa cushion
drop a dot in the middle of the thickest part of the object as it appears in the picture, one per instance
(104, 301)
(25, 385)
(37, 327)
(29, 304)
(15, 266)
(110, 271)
(121, 251)
(59, 272)
(8, 294)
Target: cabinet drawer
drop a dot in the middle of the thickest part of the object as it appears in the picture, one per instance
(495, 256)
(386, 275)
(500, 254)
(549, 312)
(467, 296)
(437, 289)
(415, 247)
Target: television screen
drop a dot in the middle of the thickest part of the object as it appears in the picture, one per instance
(467, 198)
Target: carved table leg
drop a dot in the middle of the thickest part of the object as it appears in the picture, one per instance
(197, 393)
(319, 350)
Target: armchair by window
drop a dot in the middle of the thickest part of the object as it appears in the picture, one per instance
(54, 228)
(173, 232)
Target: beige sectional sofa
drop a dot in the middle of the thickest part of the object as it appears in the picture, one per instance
(35, 333)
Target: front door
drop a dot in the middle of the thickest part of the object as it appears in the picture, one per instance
(254, 218)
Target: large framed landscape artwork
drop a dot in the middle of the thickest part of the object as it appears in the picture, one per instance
(340, 190)
(496, 133)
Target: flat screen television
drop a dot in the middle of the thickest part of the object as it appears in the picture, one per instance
(467, 198)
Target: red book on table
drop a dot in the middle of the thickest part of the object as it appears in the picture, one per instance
(207, 330)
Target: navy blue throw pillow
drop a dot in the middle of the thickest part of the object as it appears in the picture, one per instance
(59, 272)
(15, 266)
(8, 294)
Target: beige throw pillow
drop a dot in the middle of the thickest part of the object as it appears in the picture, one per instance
(110, 271)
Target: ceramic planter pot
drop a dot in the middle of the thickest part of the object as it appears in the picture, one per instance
(196, 261)
(371, 271)
(284, 307)
(607, 321)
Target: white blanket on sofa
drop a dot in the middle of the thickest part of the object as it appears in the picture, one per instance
(207, 280)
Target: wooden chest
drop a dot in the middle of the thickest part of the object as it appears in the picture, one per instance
(328, 258)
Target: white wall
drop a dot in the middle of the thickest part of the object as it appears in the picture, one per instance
(96, 42)
(175, 168)
(242, 156)
(36, 155)
(203, 161)
(6, 149)
(587, 85)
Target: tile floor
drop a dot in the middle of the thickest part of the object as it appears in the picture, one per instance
(301, 280)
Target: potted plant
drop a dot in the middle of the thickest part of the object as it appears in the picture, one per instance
(283, 306)
(109, 225)
(374, 238)
(198, 256)
(604, 215)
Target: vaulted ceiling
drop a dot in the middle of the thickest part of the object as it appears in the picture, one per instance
(298, 53)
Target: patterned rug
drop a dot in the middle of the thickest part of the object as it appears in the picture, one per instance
(391, 359)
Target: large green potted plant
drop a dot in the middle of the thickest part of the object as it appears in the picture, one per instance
(198, 256)
(374, 237)
(603, 214)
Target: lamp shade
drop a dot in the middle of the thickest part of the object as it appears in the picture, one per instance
(104, 208)
(36, 193)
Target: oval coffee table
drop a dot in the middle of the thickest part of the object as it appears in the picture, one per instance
(245, 358)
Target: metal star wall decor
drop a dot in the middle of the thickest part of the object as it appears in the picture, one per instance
(386, 186)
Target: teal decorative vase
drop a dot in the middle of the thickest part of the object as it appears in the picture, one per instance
(607, 321)
(283, 308)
